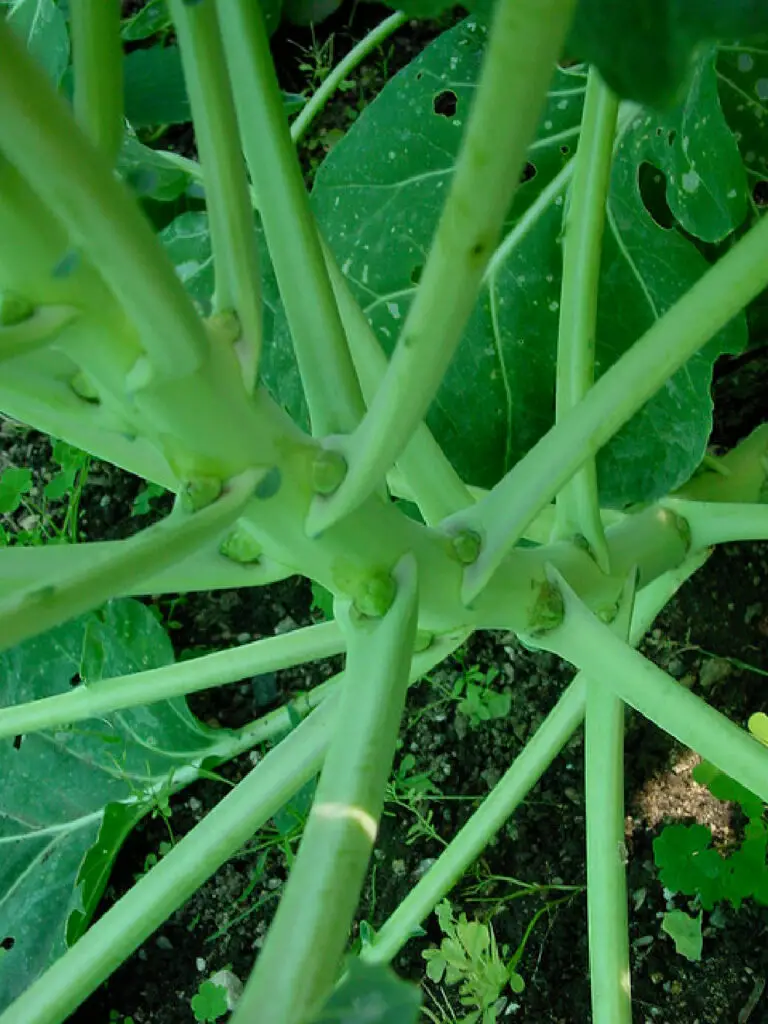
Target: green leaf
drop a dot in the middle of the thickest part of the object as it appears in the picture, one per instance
(210, 1002)
(60, 484)
(142, 503)
(322, 600)
(44, 28)
(308, 12)
(149, 175)
(14, 483)
(743, 76)
(723, 787)
(187, 240)
(687, 864)
(70, 797)
(155, 93)
(151, 19)
(378, 197)
(371, 994)
(685, 931)
(646, 49)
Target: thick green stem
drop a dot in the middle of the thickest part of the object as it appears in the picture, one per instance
(328, 376)
(524, 43)
(578, 506)
(98, 72)
(433, 483)
(721, 523)
(90, 700)
(719, 295)
(40, 136)
(300, 959)
(608, 928)
(53, 997)
(175, 538)
(332, 81)
(233, 235)
(506, 796)
(206, 569)
(590, 645)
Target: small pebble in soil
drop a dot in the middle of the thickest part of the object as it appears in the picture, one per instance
(714, 671)
(163, 942)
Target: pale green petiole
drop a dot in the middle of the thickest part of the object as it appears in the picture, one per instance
(35, 610)
(299, 961)
(106, 696)
(578, 507)
(98, 72)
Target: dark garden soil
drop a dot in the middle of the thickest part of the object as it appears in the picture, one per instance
(715, 627)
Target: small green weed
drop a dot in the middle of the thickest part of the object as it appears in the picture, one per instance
(469, 957)
(62, 493)
(688, 863)
(477, 700)
(210, 1002)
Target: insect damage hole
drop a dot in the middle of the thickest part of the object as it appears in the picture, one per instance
(7, 943)
(529, 172)
(445, 103)
(17, 742)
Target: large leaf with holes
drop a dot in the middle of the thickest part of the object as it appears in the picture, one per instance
(42, 25)
(647, 49)
(743, 76)
(69, 797)
(378, 197)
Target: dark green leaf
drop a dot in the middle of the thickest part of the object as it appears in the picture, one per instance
(149, 175)
(293, 815)
(371, 994)
(151, 19)
(69, 797)
(188, 243)
(60, 484)
(723, 787)
(44, 28)
(646, 50)
(155, 93)
(307, 12)
(13, 484)
(378, 197)
(687, 864)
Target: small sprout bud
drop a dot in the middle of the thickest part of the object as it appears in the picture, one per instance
(424, 640)
(200, 492)
(224, 327)
(140, 375)
(607, 613)
(466, 546)
(84, 388)
(548, 611)
(374, 595)
(14, 309)
(328, 470)
(240, 546)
